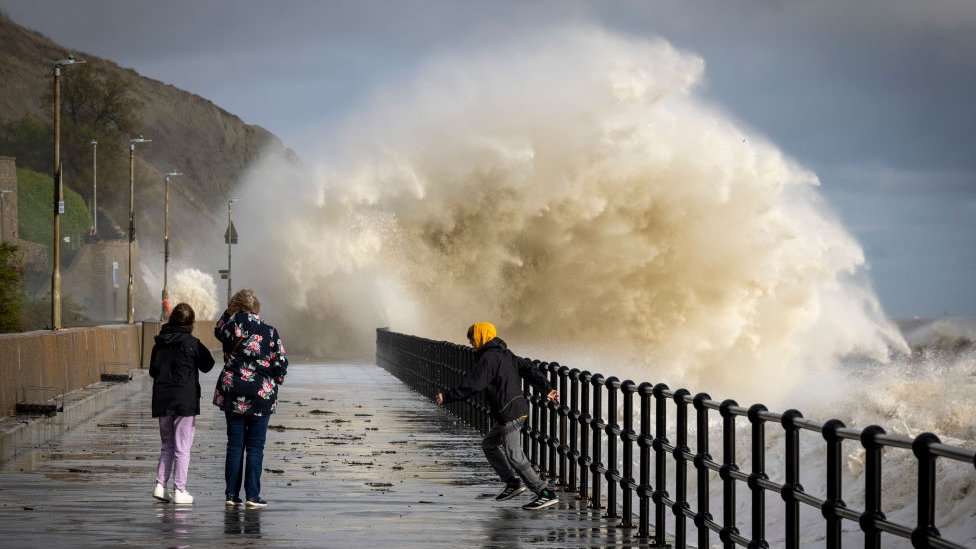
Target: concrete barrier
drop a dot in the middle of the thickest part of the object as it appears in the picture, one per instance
(47, 364)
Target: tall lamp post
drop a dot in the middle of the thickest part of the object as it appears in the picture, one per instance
(94, 144)
(130, 308)
(58, 195)
(165, 312)
(3, 226)
(231, 238)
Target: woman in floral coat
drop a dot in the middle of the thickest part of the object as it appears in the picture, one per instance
(247, 391)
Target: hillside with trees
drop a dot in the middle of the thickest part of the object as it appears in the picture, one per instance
(103, 102)
(108, 103)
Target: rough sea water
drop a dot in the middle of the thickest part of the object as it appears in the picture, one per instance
(578, 190)
(187, 284)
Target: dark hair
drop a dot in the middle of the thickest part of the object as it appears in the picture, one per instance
(182, 315)
(471, 331)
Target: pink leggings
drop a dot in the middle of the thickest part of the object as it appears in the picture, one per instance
(176, 434)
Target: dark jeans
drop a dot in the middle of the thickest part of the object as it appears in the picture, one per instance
(244, 433)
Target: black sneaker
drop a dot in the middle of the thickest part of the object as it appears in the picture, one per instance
(255, 503)
(233, 501)
(545, 499)
(511, 490)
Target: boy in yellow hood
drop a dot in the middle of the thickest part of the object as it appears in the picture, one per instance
(499, 373)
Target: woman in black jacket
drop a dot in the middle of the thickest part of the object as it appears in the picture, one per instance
(175, 365)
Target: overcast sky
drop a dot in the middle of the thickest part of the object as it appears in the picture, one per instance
(875, 96)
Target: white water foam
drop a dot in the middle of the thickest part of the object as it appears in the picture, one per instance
(197, 288)
(577, 190)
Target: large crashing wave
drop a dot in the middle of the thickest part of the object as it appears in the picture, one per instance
(576, 190)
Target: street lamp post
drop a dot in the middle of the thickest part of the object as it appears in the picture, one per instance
(94, 144)
(58, 195)
(3, 226)
(165, 312)
(231, 238)
(130, 307)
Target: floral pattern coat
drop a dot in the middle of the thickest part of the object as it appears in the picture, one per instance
(255, 365)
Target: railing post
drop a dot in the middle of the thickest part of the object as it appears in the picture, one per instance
(725, 473)
(613, 434)
(834, 499)
(758, 473)
(644, 442)
(466, 412)
(872, 486)
(701, 456)
(680, 469)
(792, 484)
(563, 412)
(596, 468)
(472, 410)
(660, 462)
(585, 461)
(926, 489)
(553, 439)
(527, 424)
(574, 423)
(629, 437)
(539, 423)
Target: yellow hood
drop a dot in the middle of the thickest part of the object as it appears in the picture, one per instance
(481, 333)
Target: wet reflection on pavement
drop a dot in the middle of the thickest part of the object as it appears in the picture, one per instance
(353, 459)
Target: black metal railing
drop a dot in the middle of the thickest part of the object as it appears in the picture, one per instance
(566, 441)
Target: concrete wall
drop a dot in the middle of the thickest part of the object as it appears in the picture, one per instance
(70, 359)
(64, 360)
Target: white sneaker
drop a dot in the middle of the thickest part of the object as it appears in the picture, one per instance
(161, 494)
(179, 496)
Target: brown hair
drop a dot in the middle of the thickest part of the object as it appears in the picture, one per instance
(182, 316)
(244, 300)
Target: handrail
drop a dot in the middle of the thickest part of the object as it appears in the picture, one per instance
(567, 440)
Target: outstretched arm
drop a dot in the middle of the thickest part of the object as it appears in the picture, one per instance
(475, 381)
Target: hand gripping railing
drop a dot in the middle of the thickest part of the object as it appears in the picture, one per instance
(566, 441)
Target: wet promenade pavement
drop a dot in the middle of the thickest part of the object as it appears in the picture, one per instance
(353, 459)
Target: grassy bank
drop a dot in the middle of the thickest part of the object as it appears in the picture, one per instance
(35, 213)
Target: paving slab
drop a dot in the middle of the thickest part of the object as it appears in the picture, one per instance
(354, 458)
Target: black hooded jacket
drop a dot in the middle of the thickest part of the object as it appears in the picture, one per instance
(175, 363)
(499, 373)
